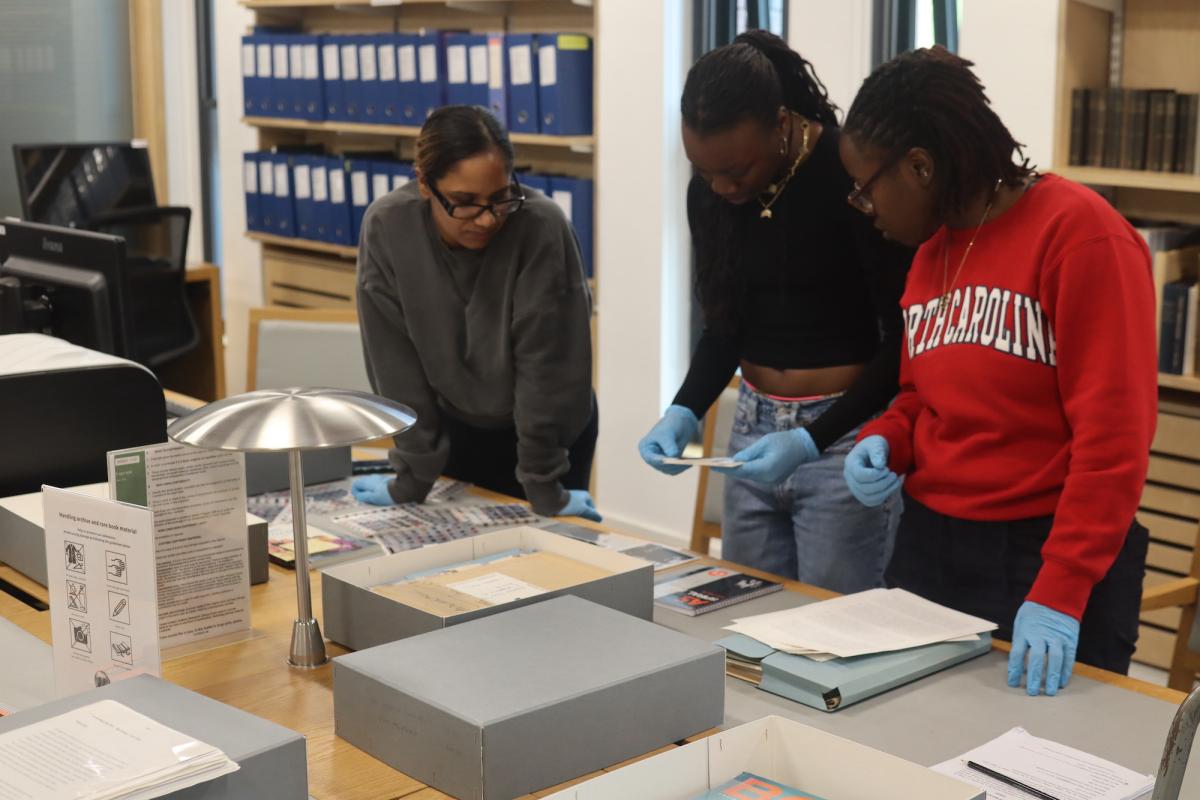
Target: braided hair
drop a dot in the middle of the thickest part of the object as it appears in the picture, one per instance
(752, 78)
(930, 98)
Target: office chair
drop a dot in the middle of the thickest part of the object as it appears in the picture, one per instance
(156, 260)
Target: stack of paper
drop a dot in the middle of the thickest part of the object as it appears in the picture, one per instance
(1048, 767)
(874, 621)
(104, 751)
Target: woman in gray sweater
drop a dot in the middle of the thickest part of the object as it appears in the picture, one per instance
(475, 313)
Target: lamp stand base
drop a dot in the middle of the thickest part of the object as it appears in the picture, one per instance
(308, 648)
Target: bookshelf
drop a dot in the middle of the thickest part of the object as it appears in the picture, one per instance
(299, 272)
(1145, 44)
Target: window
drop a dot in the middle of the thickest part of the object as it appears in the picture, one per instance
(718, 22)
(902, 25)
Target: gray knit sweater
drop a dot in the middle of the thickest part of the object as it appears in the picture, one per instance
(496, 338)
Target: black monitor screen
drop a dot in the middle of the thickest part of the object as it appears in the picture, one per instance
(74, 184)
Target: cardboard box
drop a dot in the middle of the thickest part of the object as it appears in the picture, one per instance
(272, 759)
(358, 618)
(501, 706)
(23, 542)
(780, 750)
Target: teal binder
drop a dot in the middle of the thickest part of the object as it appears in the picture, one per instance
(833, 685)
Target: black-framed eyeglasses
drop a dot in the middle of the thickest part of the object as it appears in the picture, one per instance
(859, 198)
(467, 211)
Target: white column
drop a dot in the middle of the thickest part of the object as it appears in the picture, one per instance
(643, 252)
(1014, 44)
(836, 40)
(182, 95)
(241, 258)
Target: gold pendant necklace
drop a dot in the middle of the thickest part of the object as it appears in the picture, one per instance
(948, 287)
(776, 189)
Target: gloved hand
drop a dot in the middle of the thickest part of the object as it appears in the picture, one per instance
(667, 438)
(580, 504)
(867, 474)
(773, 457)
(1042, 632)
(372, 489)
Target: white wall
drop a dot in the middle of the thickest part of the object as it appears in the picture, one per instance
(642, 255)
(836, 40)
(241, 267)
(1014, 44)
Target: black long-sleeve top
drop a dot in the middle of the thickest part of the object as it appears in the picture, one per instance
(817, 286)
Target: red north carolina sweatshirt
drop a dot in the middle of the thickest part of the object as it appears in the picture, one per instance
(1034, 390)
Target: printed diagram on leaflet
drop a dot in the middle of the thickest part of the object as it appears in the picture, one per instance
(122, 647)
(115, 567)
(73, 554)
(118, 607)
(77, 596)
(81, 635)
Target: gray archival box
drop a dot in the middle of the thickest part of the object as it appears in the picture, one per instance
(508, 704)
(272, 759)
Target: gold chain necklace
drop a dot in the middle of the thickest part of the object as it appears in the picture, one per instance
(775, 190)
(948, 287)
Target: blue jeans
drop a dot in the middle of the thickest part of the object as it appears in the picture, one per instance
(809, 527)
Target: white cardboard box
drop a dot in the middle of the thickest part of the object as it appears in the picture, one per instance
(781, 750)
(358, 618)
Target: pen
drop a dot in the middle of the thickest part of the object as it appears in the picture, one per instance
(1013, 782)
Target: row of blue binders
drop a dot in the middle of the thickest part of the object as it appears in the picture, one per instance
(324, 198)
(534, 82)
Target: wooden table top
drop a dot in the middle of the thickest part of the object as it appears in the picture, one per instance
(252, 674)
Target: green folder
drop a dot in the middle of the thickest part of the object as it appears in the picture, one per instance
(832, 685)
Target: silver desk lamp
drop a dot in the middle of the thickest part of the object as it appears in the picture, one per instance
(293, 420)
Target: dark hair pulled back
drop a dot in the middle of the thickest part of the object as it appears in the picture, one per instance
(454, 133)
(930, 98)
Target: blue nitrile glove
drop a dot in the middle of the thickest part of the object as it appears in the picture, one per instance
(867, 474)
(1050, 637)
(773, 457)
(667, 438)
(580, 504)
(373, 489)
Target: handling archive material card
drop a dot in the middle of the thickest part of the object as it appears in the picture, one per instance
(103, 751)
(198, 499)
(101, 578)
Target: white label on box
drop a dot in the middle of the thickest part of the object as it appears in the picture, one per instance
(366, 58)
(264, 61)
(379, 185)
(296, 54)
(303, 182)
(548, 65)
(358, 188)
(337, 186)
(311, 66)
(247, 61)
(387, 63)
(496, 62)
(349, 62)
(428, 57)
(266, 179)
(456, 64)
(497, 588)
(281, 180)
(564, 201)
(479, 64)
(281, 61)
(406, 54)
(399, 180)
(320, 189)
(332, 68)
(250, 178)
(520, 65)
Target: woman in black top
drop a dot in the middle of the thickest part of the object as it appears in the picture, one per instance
(800, 292)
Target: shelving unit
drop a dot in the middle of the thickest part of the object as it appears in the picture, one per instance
(1151, 44)
(303, 273)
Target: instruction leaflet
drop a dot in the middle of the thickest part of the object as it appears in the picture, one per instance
(198, 499)
(101, 577)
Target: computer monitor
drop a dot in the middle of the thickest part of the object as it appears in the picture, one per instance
(71, 285)
(75, 184)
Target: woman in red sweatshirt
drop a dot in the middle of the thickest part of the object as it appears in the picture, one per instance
(1028, 381)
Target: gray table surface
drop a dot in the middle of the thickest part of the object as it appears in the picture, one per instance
(953, 711)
